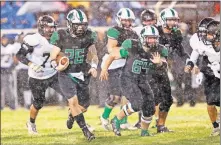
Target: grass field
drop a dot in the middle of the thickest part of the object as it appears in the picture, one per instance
(191, 126)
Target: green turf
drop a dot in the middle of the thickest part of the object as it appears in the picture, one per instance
(191, 126)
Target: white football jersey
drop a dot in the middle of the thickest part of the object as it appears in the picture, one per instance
(199, 48)
(115, 64)
(16, 47)
(6, 56)
(41, 56)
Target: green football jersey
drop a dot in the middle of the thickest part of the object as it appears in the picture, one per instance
(75, 48)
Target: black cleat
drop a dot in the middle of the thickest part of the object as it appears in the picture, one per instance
(162, 129)
(70, 121)
(116, 126)
(90, 136)
(192, 103)
(179, 104)
(138, 125)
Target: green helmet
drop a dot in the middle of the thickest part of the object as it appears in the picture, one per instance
(149, 32)
(167, 14)
(126, 14)
(77, 22)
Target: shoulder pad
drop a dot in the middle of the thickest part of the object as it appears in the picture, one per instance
(127, 44)
(31, 40)
(113, 33)
(194, 41)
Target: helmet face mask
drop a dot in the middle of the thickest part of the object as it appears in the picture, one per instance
(213, 35)
(46, 26)
(148, 17)
(201, 30)
(77, 23)
(172, 23)
(77, 29)
(126, 23)
(149, 22)
(151, 41)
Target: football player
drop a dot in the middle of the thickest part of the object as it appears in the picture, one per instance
(78, 43)
(116, 35)
(35, 52)
(209, 47)
(142, 60)
(148, 18)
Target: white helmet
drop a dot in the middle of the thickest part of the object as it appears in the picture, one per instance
(124, 13)
(166, 14)
(149, 31)
(76, 18)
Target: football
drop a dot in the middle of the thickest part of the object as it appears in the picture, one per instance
(61, 58)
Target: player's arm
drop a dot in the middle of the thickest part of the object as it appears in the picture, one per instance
(21, 55)
(123, 52)
(115, 54)
(112, 42)
(27, 47)
(54, 40)
(164, 56)
(92, 57)
(193, 57)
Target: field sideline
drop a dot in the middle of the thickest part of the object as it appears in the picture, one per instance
(191, 126)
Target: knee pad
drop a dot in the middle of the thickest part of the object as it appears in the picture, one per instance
(112, 101)
(146, 120)
(128, 109)
(148, 110)
(165, 105)
(38, 104)
(214, 103)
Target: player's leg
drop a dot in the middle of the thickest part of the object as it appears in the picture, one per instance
(124, 123)
(55, 85)
(212, 92)
(114, 93)
(69, 87)
(165, 104)
(38, 88)
(148, 107)
(133, 94)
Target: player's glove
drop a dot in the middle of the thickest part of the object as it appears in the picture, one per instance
(54, 64)
(37, 68)
(199, 78)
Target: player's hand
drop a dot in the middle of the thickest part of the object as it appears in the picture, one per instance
(35, 67)
(93, 72)
(156, 58)
(104, 75)
(199, 78)
(54, 64)
(195, 70)
(187, 68)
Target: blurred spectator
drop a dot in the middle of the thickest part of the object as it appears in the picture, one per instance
(23, 92)
(6, 15)
(27, 20)
(100, 14)
(59, 18)
(7, 96)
